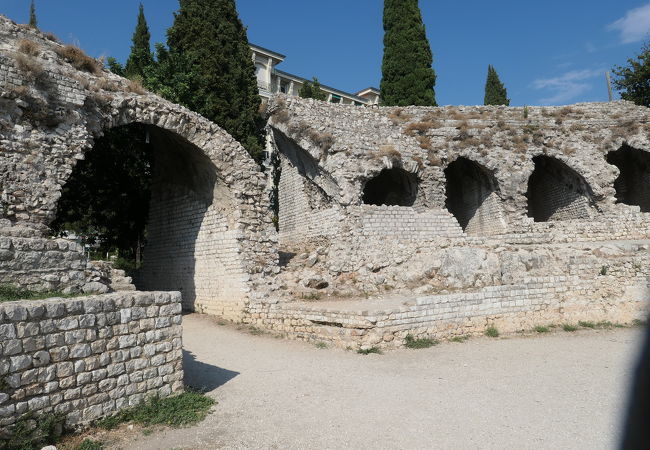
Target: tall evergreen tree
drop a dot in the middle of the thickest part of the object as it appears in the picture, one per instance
(140, 57)
(209, 39)
(32, 15)
(495, 91)
(633, 79)
(407, 75)
(311, 89)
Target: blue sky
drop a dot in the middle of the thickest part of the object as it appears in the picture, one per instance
(546, 53)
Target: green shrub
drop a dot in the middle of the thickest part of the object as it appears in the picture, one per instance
(542, 329)
(89, 444)
(492, 332)
(587, 324)
(370, 350)
(411, 342)
(181, 410)
(569, 327)
(34, 432)
(462, 338)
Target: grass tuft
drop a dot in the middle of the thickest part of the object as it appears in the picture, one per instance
(34, 432)
(370, 350)
(321, 345)
(411, 342)
(181, 410)
(569, 327)
(78, 59)
(542, 329)
(9, 293)
(462, 338)
(585, 324)
(89, 444)
(492, 332)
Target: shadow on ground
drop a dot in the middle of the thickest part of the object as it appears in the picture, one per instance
(202, 376)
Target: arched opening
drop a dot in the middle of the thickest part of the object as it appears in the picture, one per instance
(557, 192)
(633, 184)
(144, 189)
(392, 187)
(472, 198)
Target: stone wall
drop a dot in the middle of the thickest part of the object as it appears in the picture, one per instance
(210, 207)
(88, 357)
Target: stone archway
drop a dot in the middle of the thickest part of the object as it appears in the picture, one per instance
(472, 197)
(557, 192)
(633, 183)
(391, 187)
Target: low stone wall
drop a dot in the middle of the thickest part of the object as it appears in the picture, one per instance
(89, 357)
(510, 308)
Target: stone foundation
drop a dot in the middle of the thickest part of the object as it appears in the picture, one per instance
(88, 357)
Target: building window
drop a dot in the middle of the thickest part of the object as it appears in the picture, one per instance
(284, 87)
(336, 98)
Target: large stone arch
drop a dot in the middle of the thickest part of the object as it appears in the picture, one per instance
(472, 197)
(633, 182)
(557, 192)
(51, 120)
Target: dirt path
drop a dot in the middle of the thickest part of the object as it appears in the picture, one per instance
(564, 390)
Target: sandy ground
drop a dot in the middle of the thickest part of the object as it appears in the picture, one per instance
(562, 390)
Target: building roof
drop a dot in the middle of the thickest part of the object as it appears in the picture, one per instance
(271, 53)
(374, 90)
(329, 88)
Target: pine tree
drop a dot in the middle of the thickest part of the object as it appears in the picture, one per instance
(495, 91)
(407, 76)
(140, 57)
(32, 16)
(209, 39)
(311, 89)
(633, 80)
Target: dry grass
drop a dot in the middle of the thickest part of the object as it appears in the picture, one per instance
(28, 47)
(78, 59)
(577, 127)
(280, 116)
(568, 150)
(420, 127)
(566, 111)
(425, 142)
(434, 159)
(398, 116)
(299, 130)
(388, 151)
(29, 66)
(51, 37)
(454, 114)
(103, 84)
(520, 144)
(419, 161)
(323, 140)
(136, 87)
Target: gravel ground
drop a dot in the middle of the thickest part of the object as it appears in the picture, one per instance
(561, 390)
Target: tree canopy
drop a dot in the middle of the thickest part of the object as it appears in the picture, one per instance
(140, 58)
(208, 67)
(495, 91)
(633, 79)
(311, 89)
(407, 75)
(33, 22)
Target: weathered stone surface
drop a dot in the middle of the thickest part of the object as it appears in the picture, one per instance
(39, 379)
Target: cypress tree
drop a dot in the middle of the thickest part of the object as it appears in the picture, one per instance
(140, 57)
(495, 91)
(311, 89)
(32, 16)
(208, 36)
(407, 76)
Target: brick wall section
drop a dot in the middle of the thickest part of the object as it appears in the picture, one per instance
(193, 251)
(89, 357)
(404, 223)
(537, 301)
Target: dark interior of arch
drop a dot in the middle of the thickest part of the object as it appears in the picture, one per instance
(141, 192)
(468, 184)
(557, 192)
(392, 187)
(633, 183)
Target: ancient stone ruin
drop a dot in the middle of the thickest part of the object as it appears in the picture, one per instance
(391, 221)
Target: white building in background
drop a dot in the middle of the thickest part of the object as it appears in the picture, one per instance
(272, 81)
